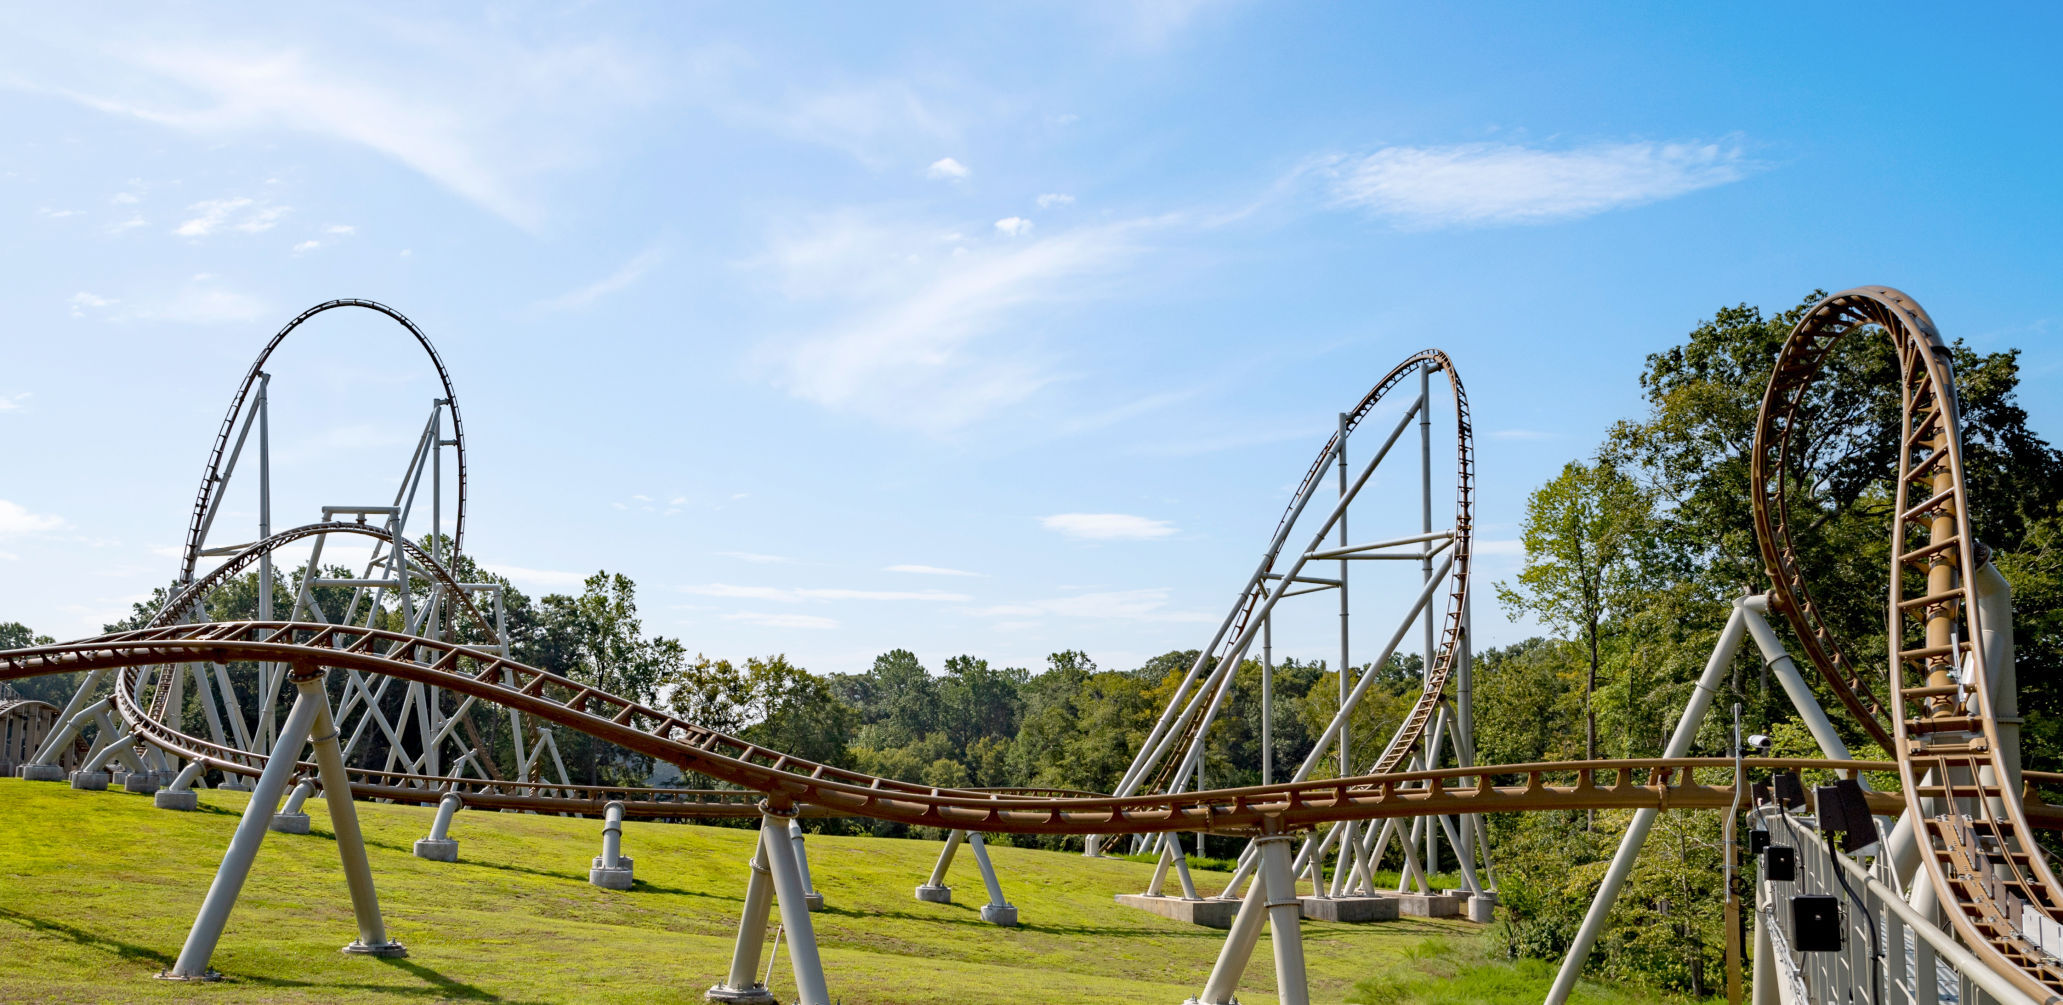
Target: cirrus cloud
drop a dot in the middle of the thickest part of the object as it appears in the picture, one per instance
(1107, 526)
(1486, 184)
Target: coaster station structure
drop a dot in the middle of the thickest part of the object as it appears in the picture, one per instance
(1955, 841)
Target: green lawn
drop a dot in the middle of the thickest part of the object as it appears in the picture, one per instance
(97, 890)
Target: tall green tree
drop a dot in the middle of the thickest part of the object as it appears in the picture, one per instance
(1585, 534)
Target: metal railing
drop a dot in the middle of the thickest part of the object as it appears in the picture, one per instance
(1890, 952)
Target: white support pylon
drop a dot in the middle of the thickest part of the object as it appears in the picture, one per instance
(192, 964)
(1271, 898)
(808, 968)
(809, 886)
(743, 986)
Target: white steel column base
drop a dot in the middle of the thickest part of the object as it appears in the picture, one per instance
(608, 878)
(437, 850)
(754, 995)
(389, 950)
(935, 894)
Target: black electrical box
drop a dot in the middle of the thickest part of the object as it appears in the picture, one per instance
(1758, 839)
(1816, 923)
(1780, 863)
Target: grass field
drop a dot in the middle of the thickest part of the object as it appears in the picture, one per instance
(97, 890)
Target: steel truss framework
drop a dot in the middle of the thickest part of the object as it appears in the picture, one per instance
(425, 737)
(1439, 723)
(1951, 720)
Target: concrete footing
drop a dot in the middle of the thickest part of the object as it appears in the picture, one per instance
(235, 783)
(1428, 905)
(935, 894)
(391, 950)
(814, 900)
(1481, 907)
(999, 914)
(438, 849)
(140, 781)
(95, 781)
(42, 772)
(289, 823)
(1350, 909)
(1210, 913)
(757, 994)
(166, 799)
(618, 878)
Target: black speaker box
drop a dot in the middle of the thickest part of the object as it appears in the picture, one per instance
(1758, 839)
(1789, 790)
(1780, 863)
(1816, 923)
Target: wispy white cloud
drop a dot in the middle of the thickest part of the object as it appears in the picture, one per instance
(82, 301)
(1119, 605)
(1107, 526)
(794, 595)
(547, 579)
(930, 570)
(473, 109)
(15, 402)
(914, 339)
(1483, 184)
(16, 519)
(947, 168)
(239, 213)
(753, 556)
(622, 279)
(1052, 199)
(1013, 226)
(808, 621)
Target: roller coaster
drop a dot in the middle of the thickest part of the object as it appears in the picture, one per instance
(1959, 840)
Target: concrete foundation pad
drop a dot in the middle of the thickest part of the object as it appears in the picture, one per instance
(140, 781)
(999, 914)
(1424, 905)
(935, 894)
(1480, 908)
(814, 901)
(755, 995)
(437, 849)
(206, 976)
(235, 783)
(1209, 913)
(95, 781)
(289, 823)
(166, 799)
(1350, 909)
(392, 950)
(42, 772)
(618, 878)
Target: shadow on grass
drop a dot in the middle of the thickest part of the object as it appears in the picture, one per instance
(126, 950)
(525, 870)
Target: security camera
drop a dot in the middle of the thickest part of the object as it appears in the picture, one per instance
(1760, 742)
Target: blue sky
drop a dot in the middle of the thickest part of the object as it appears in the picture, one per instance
(842, 328)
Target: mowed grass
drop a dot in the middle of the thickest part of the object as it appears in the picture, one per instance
(98, 889)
